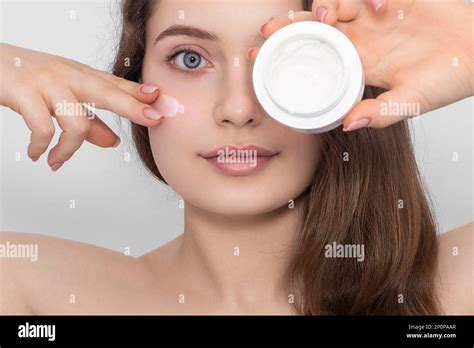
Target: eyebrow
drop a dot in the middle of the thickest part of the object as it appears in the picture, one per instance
(176, 30)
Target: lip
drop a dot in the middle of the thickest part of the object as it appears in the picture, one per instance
(261, 151)
(247, 159)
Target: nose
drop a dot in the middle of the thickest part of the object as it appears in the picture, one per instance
(238, 106)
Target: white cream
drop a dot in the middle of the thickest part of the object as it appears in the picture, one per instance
(166, 105)
(305, 76)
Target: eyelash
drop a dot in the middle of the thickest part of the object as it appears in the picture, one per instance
(175, 53)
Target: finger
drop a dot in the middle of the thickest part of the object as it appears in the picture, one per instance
(33, 109)
(278, 22)
(378, 5)
(332, 11)
(72, 119)
(105, 95)
(388, 108)
(325, 11)
(100, 134)
(252, 53)
(145, 93)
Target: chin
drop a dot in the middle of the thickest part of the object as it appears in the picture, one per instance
(251, 195)
(239, 201)
(240, 208)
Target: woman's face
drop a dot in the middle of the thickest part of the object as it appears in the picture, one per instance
(213, 85)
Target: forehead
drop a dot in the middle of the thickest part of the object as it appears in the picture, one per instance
(228, 19)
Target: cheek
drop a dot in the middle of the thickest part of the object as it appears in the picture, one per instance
(175, 141)
(193, 95)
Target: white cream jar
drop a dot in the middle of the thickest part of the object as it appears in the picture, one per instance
(308, 76)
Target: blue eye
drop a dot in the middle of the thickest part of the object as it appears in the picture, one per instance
(189, 60)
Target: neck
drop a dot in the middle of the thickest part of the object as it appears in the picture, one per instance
(244, 259)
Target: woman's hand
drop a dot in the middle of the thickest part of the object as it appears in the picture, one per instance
(38, 86)
(420, 51)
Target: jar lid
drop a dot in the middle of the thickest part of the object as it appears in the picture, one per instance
(308, 76)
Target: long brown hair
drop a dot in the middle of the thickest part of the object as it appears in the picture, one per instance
(366, 191)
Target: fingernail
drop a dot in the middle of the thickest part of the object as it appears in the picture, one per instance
(321, 13)
(148, 89)
(249, 51)
(117, 143)
(264, 24)
(363, 122)
(151, 113)
(377, 4)
(166, 105)
(34, 159)
(56, 166)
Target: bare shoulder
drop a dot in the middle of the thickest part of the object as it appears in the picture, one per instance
(456, 259)
(41, 273)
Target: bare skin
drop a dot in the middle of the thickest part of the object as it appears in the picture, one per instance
(108, 282)
(40, 82)
(198, 272)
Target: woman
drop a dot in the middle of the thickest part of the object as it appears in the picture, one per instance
(257, 243)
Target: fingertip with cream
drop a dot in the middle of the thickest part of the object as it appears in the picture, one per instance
(166, 105)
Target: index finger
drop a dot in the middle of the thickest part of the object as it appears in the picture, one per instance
(105, 95)
(278, 22)
(143, 92)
